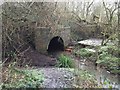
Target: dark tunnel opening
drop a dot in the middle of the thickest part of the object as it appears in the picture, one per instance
(56, 44)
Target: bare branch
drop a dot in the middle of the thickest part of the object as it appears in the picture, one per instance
(87, 11)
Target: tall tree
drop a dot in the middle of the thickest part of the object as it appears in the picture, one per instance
(119, 24)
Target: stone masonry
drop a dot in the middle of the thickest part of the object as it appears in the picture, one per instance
(43, 35)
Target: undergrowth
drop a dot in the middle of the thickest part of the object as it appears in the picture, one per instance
(109, 57)
(65, 61)
(84, 79)
(83, 52)
(18, 78)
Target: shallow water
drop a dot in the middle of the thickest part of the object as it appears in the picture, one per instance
(102, 76)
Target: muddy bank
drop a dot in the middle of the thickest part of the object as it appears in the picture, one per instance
(33, 58)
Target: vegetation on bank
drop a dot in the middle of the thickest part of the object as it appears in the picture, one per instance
(83, 53)
(65, 62)
(13, 77)
(85, 79)
(107, 56)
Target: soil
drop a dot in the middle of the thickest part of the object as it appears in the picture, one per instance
(38, 59)
(32, 57)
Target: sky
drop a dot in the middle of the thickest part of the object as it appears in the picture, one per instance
(61, 0)
(96, 1)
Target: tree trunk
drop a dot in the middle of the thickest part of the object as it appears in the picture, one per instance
(119, 36)
(119, 24)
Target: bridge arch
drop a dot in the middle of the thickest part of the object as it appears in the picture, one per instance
(56, 44)
(44, 36)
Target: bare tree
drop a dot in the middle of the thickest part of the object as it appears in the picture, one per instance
(88, 8)
(119, 24)
(109, 33)
(109, 13)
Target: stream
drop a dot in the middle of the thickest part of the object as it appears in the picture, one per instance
(102, 76)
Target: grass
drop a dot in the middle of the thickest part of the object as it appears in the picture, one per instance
(65, 62)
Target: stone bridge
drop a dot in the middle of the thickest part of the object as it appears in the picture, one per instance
(44, 35)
